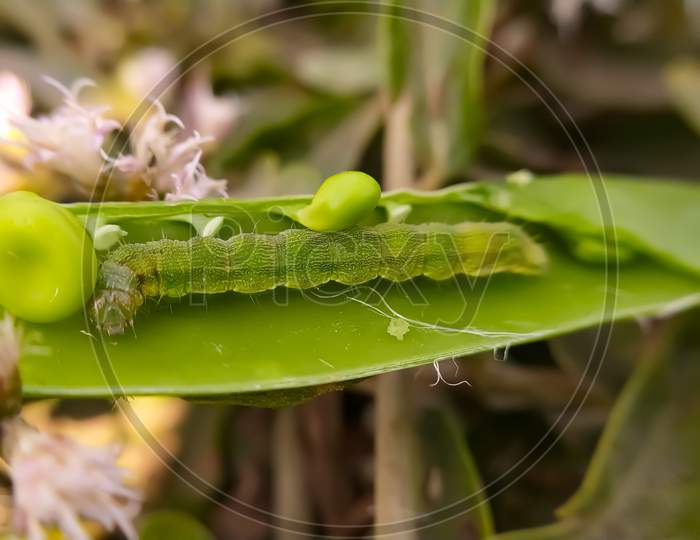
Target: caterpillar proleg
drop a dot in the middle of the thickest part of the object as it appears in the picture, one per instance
(302, 259)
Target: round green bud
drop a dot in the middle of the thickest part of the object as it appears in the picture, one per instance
(341, 202)
(47, 260)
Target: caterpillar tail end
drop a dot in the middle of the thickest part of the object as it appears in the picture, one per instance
(536, 255)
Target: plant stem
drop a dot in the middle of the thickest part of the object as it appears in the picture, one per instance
(395, 464)
(395, 482)
(398, 160)
(290, 493)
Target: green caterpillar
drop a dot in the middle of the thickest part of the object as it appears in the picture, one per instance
(302, 259)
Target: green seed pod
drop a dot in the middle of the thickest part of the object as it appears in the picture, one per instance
(341, 202)
(47, 260)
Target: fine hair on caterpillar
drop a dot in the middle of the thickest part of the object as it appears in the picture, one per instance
(304, 259)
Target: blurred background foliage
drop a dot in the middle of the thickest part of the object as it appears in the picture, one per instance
(304, 90)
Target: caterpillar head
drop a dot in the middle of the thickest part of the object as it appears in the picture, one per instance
(116, 300)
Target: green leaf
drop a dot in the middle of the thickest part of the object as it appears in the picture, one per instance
(658, 217)
(395, 48)
(455, 499)
(234, 343)
(464, 107)
(643, 482)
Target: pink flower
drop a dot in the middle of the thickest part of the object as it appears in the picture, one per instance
(168, 165)
(69, 140)
(192, 183)
(57, 481)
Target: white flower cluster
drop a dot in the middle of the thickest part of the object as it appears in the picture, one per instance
(70, 141)
(56, 481)
(169, 165)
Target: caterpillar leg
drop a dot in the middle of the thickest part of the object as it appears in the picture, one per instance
(116, 300)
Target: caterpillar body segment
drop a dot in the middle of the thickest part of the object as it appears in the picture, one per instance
(302, 259)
